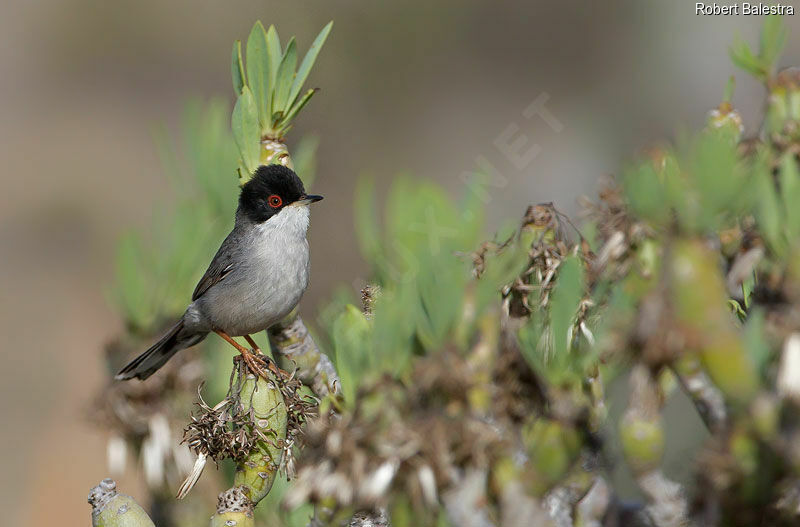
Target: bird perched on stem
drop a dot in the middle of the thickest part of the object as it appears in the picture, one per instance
(256, 278)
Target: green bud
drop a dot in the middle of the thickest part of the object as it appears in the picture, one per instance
(552, 449)
(730, 367)
(642, 442)
(727, 120)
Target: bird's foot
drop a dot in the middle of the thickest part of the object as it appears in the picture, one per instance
(255, 363)
(269, 363)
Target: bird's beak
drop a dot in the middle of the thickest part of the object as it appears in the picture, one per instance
(308, 199)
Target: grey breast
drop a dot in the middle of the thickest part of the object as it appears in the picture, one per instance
(268, 279)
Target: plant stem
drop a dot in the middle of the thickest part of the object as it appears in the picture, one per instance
(294, 348)
(264, 400)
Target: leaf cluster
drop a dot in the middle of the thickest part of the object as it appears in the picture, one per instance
(269, 90)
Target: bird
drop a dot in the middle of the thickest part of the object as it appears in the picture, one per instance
(256, 278)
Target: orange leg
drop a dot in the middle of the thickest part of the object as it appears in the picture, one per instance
(252, 343)
(247, 355)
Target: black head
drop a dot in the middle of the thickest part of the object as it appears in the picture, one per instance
(272, 188)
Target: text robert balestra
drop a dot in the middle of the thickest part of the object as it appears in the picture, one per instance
(743, 8)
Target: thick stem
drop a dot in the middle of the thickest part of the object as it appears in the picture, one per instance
(111, 509)
(264, 400)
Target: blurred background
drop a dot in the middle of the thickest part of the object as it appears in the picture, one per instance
(423, 88)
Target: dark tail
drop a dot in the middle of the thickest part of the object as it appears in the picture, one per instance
(159, 353)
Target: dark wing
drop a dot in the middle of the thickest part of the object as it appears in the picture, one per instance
(222, 264)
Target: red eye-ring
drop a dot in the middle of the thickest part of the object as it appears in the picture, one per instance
(274, 201)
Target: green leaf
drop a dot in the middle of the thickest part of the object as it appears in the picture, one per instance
(646, 193)
(747, 290)
(283, 81)
(308, 63)
(440, 286)
(244, 124)
(743, 57)
(258, 72)
(350, 334)
(790, 193)
(768, 210)
(274, 52)
(773, 37)
(500, 270)
(564, 303)
(716, 177)
(132, 291)
(730, 87)
(237, 68)
(288, 117)
(755, 341)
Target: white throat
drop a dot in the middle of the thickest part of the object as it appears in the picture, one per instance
(291, 223)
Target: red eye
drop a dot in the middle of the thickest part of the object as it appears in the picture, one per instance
(274, 201)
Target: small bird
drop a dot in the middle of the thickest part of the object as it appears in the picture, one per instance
(256, 278)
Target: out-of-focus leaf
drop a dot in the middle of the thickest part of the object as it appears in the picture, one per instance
(773, 37)
(564, 301)
(717, 179)
(393, 333)
(133, 291)
(768, 206)
(423, 219)
(473, 216)
(244, 123)
(500, 270)
(237, 68)
(646, 193)
(211, 155)
(531, 337)
(440, 284)
(258, 72)
(155, 275)
(730, 87)
(308, 63)
(304, 157)
(790, 194)
(743, 57)
(349, 338)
